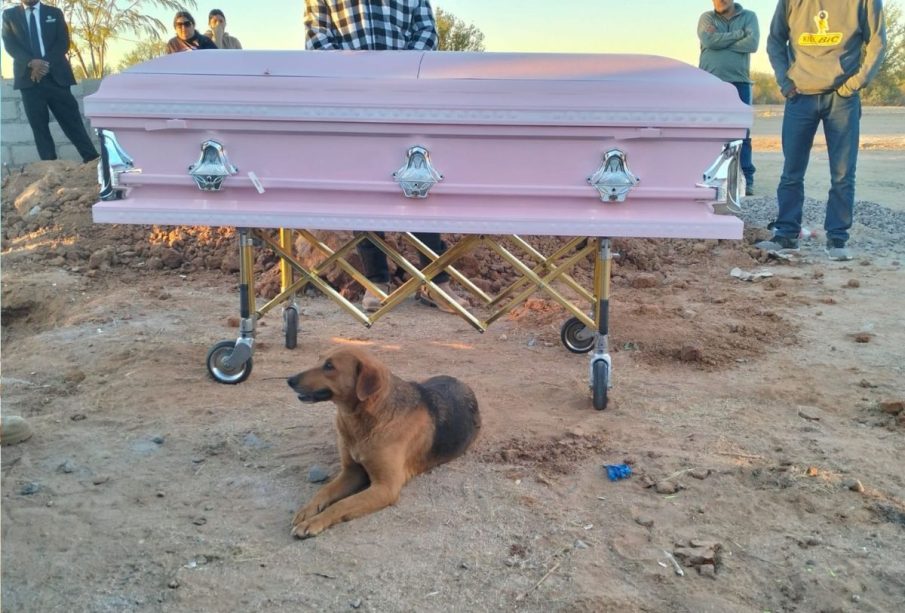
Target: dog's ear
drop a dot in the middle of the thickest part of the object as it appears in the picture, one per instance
(372, 378)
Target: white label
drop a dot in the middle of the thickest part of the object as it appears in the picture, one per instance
(256, 182)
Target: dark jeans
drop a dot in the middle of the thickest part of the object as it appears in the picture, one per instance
(746, 158)
(46, 97)
(375, 261)
(841, 119)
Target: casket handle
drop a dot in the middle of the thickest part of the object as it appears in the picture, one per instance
(212, 167)
(613, 180)
(417, 176)
(114, 161)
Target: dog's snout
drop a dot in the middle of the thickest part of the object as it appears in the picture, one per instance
(293, 381)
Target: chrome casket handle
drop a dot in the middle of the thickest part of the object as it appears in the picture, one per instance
(613, 180)
(726, 177)
(114, 162)
(212, 167)
(417, 176)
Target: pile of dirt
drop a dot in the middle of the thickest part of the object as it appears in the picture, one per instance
(679, 285)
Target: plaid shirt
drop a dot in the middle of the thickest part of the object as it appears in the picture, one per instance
(369, 24)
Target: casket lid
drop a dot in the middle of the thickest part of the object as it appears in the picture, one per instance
(419, 87)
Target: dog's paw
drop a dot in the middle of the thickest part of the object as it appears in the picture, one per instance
(306, 512)
(307, 529)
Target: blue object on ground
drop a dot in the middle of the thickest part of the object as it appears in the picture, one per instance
(618, 471)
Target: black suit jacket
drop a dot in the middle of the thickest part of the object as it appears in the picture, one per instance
(55, 34)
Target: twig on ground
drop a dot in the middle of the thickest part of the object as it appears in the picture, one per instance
(675, 564)
(542, 579)
(741, 455)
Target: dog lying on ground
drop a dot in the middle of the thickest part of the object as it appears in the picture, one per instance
(388, 431)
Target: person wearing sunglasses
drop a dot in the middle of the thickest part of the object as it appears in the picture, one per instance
(187, 38)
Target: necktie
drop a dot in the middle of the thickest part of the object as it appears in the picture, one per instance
(33, 33)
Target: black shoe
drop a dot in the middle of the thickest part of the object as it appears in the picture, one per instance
(779, 244)
(749, 189)
(837, 251)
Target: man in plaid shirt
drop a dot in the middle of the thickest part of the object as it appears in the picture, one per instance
(370, 24)
(379, 24)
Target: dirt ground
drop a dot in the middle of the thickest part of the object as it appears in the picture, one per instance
(763, 422)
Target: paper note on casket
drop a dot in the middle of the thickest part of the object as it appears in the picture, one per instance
(473, 143)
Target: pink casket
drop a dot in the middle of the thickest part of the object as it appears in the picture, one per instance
(473, 143)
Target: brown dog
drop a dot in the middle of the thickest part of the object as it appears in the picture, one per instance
(388, 431)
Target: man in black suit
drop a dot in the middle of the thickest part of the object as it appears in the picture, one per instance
(37, 37)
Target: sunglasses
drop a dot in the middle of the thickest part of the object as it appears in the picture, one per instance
(184, 24)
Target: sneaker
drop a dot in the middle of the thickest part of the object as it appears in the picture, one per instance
(837, 251)
(749, 189)
(430, 298)
(779, 244)
(14, 430)
(372, 302)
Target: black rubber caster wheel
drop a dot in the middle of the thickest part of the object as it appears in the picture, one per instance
(219, 368)
(291, 327)
(576, 337)
(600, 384)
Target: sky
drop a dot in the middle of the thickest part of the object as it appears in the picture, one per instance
(657, 27)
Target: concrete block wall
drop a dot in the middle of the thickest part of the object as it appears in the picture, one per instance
(17, 145)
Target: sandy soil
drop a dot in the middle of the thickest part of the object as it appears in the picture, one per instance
(763, 422)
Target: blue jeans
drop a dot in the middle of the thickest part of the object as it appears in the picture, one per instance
(374, 260)
(841, 119)
(746, 159)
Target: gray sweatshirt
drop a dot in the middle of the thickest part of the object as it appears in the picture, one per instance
(727, 44)
(819, 46)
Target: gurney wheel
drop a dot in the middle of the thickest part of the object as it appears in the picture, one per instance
(291, 326)
(577, 337)
(600, 384)
(220, 370)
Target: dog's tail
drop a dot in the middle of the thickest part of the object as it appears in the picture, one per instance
(453, 408)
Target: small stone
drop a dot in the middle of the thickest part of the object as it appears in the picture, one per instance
(101, 479)
(254, 441)
(666, 487)
(316, 474)
(856, 598)
(160, 494)
(813, 471)
(855, 485)
(157, 440)
(643, 520)
(580, 544)
(862, 337)
(199, 521)
(78, 417)
(707, 570)
(74, 376)
(232, 321)
(700, 473)
(893, 407)
(355, 604)
(66, 467)
(30, 488)
(645, 281)
(852, 283)
(173, 584)
(691, 352)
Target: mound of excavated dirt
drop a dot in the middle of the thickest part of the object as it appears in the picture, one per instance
(46, 211)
